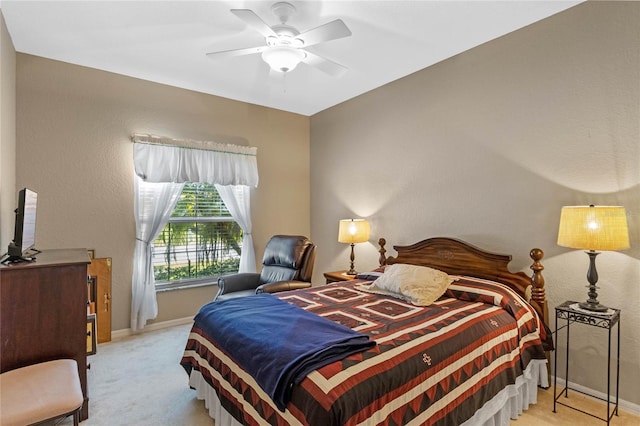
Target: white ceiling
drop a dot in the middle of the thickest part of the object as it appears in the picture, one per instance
(166, 41)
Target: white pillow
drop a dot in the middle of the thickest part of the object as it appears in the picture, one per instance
(420, 285)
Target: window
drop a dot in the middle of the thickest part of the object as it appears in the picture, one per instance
(200, 242)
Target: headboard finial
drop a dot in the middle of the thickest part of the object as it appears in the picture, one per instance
(537, 279)
(382, 259)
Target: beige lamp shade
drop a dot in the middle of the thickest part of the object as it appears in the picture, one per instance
(353, 231)
(593, 228)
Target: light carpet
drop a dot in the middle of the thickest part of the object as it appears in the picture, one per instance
(138, 381)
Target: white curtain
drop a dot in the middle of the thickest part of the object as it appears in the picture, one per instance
(154, 202)
(238, 202)
(215, 164)
(161, 171)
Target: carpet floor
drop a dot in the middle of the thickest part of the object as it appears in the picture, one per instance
(138, 381)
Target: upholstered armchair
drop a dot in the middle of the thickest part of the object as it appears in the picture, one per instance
(287, 264)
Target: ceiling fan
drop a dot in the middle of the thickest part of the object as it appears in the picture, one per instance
(285, 45)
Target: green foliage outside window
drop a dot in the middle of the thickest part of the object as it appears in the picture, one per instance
(201, 239)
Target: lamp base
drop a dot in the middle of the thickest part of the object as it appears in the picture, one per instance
(351, 270)
(592, 303)
(596, 307)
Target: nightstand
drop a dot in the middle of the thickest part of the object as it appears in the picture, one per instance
(336, 276)
(572, 314)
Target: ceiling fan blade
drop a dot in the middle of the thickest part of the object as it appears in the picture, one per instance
(329, 31)
(325, 65)
(254, 21)
(236, 52)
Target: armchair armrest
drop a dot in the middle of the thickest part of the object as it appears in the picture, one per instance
(282, 286)
(237, 282)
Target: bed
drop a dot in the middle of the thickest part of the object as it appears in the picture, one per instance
(474, 356)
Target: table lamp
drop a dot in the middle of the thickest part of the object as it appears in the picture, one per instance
(593, 228)
(352, 231)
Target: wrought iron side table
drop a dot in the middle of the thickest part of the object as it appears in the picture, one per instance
(596, 319)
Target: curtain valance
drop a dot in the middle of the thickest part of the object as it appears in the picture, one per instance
(158, 159)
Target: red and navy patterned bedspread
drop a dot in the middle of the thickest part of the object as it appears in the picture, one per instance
(431, 365)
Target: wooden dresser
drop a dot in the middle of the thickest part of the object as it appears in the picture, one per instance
(43, 310)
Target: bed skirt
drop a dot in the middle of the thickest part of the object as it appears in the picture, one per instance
(506, 405)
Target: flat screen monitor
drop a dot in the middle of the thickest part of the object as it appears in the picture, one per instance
(24, 239)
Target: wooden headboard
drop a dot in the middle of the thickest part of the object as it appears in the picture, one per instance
(457, 257)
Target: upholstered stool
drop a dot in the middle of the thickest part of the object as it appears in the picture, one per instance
(40, 392)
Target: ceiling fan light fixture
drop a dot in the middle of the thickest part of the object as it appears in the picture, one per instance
(285, 46)
(283, 58)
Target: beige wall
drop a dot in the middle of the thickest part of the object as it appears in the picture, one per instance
(487, 147)
(7, 136)
(73, 147)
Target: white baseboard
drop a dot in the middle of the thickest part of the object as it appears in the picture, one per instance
(125, 332)
(623, 405)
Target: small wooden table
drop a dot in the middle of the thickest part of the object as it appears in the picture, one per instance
(336, 276)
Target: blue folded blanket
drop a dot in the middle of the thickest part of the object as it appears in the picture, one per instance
(276, 342)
